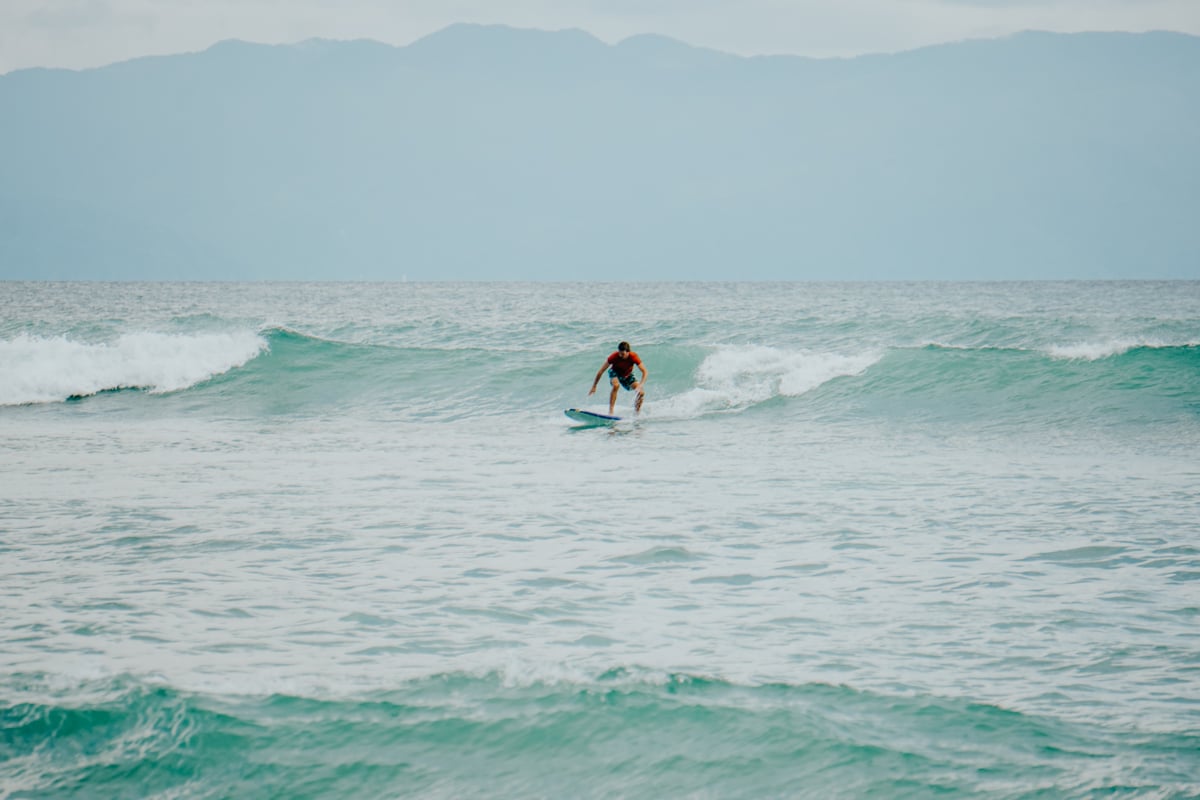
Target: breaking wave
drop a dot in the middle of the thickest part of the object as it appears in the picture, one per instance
(47, 370)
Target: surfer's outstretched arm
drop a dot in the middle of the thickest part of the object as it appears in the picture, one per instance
(596, 382)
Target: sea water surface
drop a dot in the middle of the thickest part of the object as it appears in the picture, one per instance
(339, 540)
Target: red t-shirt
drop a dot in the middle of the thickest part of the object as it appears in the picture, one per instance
(623, 366)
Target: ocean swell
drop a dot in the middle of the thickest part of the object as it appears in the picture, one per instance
(463, 735)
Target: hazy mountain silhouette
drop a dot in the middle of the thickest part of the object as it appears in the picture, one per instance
(490, 152)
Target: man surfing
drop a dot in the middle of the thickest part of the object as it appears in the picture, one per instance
(620, 370)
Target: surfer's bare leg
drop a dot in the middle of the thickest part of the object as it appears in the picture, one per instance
(612, 398)
(641, 395)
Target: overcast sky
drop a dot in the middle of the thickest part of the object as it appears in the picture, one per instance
(85, 33)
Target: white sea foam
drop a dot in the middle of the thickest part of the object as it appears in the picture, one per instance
(46, 370)
(733, 378)
(1093, 351)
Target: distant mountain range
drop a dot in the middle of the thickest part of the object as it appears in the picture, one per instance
(498, 153)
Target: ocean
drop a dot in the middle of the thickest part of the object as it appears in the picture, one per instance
(339, 540)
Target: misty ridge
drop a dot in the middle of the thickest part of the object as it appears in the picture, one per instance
(492, 153)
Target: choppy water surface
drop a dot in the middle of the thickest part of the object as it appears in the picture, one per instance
(339, 540)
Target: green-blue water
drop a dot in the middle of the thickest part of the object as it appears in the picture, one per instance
(865, 540)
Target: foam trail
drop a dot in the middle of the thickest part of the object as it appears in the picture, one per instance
(47, 370)
(733, 378)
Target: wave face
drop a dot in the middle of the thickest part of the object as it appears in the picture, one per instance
(1137, 384)
(457, 735)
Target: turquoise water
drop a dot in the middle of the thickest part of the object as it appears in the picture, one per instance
(325, 540)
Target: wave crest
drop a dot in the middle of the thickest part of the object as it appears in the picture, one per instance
(48, 370)
(1094, 351)
(734, 378)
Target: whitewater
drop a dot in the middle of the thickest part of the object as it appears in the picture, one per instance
(883, 539)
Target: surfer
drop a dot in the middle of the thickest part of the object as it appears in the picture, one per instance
(620, 370)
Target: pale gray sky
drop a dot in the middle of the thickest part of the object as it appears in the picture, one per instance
(86, 33)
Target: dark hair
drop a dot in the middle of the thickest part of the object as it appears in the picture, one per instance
(623, 346)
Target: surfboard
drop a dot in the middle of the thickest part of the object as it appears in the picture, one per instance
(590, 417)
